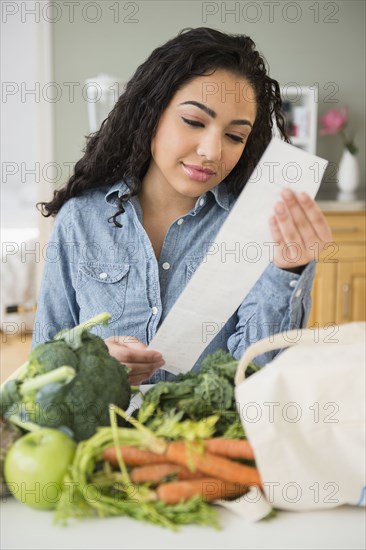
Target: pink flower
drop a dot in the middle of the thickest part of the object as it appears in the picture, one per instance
(333, 121)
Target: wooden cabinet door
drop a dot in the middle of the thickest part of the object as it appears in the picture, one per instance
(339, 291)
(323, 310)
(351, 291)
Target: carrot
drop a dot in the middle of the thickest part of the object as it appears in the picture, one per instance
(207, 488)
(208, 463)
(154, 473)
(133, 456)
(212, 465)
(185, 474)
(157, 472)
(231, 448)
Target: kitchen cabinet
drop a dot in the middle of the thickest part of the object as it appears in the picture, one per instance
(339, 292)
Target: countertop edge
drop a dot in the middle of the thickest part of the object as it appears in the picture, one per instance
(341, 206)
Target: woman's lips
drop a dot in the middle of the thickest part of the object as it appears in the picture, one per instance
(198, 173)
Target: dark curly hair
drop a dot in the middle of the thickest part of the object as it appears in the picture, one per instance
(121, 148)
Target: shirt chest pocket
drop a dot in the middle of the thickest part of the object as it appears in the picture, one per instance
(101, 287)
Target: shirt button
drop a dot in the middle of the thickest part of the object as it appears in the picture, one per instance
(202, 202)
(154, 310)
(180, 221)
(103, 275)
(298, 293)
(293, 283)
(166, 265)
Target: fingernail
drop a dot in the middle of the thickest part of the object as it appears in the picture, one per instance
(287, 193)
(280, 208)
(157, 357)
(303, 197)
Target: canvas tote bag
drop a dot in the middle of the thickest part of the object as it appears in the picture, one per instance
(304, 415)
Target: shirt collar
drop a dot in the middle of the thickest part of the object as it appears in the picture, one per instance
(220, 193)
(117, 190)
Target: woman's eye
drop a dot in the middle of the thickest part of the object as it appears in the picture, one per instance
(192, 122)
(197, 124)
(235, 138)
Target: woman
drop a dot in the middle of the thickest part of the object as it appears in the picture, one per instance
(155, 184)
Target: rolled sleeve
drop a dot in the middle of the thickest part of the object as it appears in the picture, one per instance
(279, 301)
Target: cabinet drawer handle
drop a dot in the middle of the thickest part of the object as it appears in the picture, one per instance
(345, 229)
(346, 300)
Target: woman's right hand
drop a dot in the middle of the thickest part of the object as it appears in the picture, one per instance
(141, 361)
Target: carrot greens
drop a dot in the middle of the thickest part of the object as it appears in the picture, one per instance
(91, 488)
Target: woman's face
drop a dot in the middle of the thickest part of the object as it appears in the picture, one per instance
(201, 135)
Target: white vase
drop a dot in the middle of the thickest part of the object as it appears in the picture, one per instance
(348, 176)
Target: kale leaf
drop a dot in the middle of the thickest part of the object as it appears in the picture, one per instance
(198, 395)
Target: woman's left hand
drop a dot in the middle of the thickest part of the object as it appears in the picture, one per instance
(300, 230)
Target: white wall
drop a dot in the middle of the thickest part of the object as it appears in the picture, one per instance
(320, 44)
(18, 130)
(27, 133)
(324, 47)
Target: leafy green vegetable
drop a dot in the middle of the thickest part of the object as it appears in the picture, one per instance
(197, 396)
(235, 430)
(172, 426)
(69, 383)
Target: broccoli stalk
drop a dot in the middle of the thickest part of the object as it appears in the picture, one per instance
(73, 337)
(61, 375)
(20, 373)
(25, 425)
(15, 390)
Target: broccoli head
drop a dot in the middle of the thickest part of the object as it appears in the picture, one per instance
(100, 381)
(69, 383)
(49, 356)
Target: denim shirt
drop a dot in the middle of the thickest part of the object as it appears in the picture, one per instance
(93, 266)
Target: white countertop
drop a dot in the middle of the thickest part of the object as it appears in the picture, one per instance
(340, 528)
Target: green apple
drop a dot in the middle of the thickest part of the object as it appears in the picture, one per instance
(35, 466)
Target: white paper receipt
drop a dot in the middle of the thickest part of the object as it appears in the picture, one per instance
(180, 337)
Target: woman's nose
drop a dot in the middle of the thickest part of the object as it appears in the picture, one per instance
(210, 146)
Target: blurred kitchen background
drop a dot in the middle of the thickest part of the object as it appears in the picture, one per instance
(52, 52)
